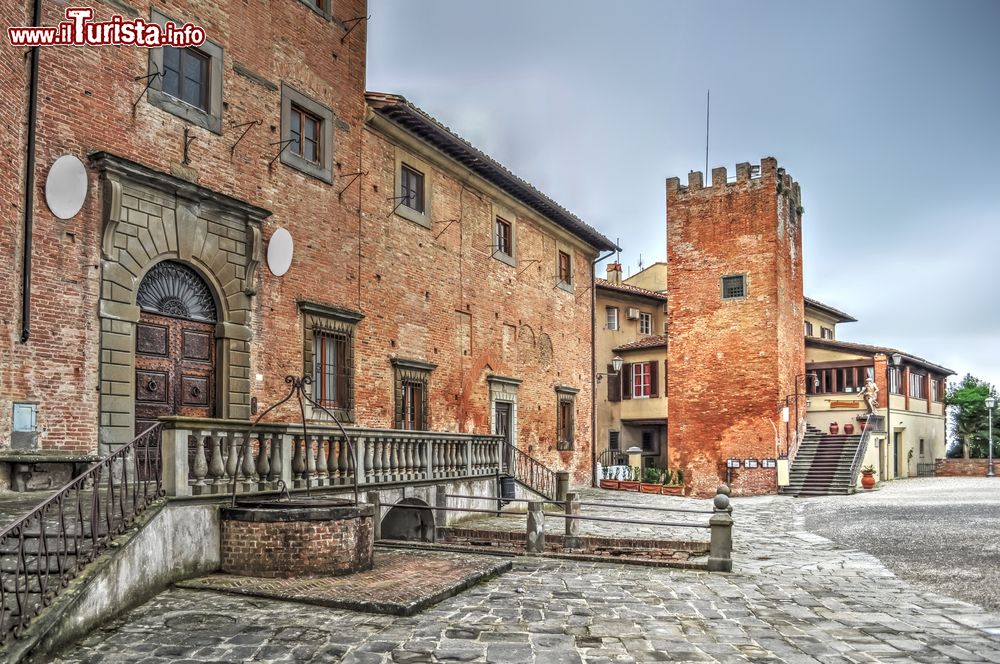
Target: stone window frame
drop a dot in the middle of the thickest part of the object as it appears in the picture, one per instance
(563, 248)
(210, 119)
(421, 218)
(607, 318)
(323, 170)
(745, 282)
(411, 371)
(507, 216)
(566, 395)
(338, 321)
(326, 11)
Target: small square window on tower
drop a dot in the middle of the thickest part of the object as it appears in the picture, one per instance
(734, 287)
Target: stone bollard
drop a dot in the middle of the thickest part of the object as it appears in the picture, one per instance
(374, 499)
(535, 540)
(562, 485)
(721, 546)
(572, 539)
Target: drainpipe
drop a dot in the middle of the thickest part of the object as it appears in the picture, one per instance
(29, 184)
(593, 363)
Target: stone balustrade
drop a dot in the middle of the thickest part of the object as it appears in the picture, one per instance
(205, 456)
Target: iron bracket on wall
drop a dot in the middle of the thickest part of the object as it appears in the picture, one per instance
(149, 78)
(249, 125)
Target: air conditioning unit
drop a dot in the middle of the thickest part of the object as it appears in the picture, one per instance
(632, 313)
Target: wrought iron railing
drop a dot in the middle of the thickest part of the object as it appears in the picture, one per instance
(202, 456)
(612, 458)
(872, 422)
(529, 471)
(44, 550)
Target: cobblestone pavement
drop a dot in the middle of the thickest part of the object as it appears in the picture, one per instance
(794, 597)
(951, 527)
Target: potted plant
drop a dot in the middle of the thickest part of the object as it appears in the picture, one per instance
(673, 483)
(651, 479)
(868, 477)
(631, 484)
(608, 482)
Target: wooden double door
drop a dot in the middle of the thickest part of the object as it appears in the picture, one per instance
(174, 369)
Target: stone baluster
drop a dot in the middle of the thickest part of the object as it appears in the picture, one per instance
(436, 459)
(386, 460)
(311, 457)
(396, 460)
(411, 459)
(375, 444)
(247, 464)
(477, 457)
(263, 465)
(276, 460)
(216, 468)
(446, 458)
(406, 457)
(298, 461)
(351, 460)
(234, 456)
(200, 466)
(420, 460)
(323, 476)
(343, 460)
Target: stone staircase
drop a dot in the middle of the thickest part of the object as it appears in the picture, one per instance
(822, 466)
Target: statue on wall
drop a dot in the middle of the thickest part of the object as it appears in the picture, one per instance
(870, 394)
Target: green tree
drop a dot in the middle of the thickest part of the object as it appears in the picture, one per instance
(968, 419)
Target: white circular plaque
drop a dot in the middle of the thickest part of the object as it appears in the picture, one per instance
(66, 186)
(279, 252)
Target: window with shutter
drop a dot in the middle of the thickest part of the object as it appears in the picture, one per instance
(654, 380)
(614, 385)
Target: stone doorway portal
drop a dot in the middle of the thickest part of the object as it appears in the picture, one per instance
(174, 346)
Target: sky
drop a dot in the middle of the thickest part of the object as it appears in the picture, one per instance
(887, 113)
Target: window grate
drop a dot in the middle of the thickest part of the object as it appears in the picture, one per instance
(734, 287)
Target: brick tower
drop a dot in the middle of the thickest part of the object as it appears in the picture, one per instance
(736, 345)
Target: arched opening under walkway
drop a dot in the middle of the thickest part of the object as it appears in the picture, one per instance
(409, 523)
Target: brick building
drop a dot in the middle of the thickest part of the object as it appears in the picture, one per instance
(632, 409)
(427, 284)
(735, 321)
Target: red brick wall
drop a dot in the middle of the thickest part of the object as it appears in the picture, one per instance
(964, 467)
(422, 294)
(286, 549)
(418, 292)
(732, 362)
(85, 104)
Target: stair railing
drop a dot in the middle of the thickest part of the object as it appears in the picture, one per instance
(44, 550)
(529, 471)
(871, 421)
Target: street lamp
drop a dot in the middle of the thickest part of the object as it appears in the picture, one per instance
(616, 366)
(894, 361)
(990, 402)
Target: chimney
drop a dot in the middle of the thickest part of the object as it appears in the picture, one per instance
(615, 273)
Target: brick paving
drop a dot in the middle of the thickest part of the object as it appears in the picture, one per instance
(794, 597)
(401, 582)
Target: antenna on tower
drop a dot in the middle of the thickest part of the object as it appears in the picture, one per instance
(640, 262)
(708, 111)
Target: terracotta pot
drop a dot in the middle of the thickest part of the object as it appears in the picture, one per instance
(834, 428)
(672, 490)
(649, 488)
(628, 485)
(868, 480)
(849, 428)
(609, 484)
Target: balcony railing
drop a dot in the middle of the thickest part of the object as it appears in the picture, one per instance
(201, 456)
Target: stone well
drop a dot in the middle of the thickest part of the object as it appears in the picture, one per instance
(297, 538)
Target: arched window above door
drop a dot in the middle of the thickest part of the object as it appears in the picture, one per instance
(174, 289)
